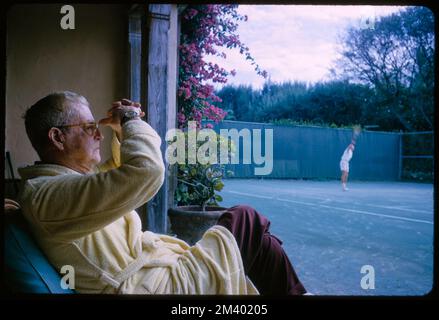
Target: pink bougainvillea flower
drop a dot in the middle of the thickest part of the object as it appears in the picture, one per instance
(204, 29)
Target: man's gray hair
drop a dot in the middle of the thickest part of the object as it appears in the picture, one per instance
(51, 111)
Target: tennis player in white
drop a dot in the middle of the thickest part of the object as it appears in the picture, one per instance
(344, 164)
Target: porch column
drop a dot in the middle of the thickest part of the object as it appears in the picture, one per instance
(160, 91)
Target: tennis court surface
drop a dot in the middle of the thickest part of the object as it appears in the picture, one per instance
(330, 235)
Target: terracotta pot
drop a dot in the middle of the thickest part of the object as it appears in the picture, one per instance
(189, 223)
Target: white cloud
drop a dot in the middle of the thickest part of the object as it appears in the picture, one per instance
(293, 42)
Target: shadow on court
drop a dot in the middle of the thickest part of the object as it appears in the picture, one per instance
(330, 235)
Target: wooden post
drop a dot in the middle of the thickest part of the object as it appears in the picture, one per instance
(135, 51)
(173, 44)
(159, 88)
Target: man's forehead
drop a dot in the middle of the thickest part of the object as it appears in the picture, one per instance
(83, 111)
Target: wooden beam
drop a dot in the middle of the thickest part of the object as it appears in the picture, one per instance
(134, 55)
(173, 43)
(159, 90)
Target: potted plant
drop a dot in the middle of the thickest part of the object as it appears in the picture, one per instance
(197, 198)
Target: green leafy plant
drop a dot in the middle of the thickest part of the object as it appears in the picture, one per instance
(199, 184)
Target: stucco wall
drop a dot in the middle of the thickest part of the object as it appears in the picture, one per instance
(42, 58)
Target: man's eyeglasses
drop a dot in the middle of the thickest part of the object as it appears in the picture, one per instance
(89, 128)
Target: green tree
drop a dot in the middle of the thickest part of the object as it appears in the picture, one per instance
(396, 58)
(238, 101)
(339, 103)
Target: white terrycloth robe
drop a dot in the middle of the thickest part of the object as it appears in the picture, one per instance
(88, 221)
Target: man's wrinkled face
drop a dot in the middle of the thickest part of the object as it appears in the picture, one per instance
(82, 142)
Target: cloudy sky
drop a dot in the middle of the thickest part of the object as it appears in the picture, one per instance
(294, 42)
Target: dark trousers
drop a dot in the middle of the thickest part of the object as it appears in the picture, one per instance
(265, 261)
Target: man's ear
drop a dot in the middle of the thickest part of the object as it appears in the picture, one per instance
(56, 138)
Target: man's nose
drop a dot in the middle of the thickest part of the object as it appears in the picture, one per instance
(99, 135)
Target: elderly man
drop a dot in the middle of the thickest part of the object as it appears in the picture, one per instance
(84, 216)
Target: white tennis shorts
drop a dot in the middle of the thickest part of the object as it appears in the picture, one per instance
(344, 166)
